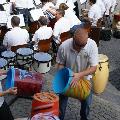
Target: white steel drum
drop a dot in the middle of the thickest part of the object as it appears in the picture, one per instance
(9, 56)
(24, 55)
(42, 62)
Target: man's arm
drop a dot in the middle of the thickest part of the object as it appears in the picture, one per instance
(59, 66)
(9, 91)
(80, 75)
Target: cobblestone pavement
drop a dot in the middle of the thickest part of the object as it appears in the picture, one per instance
(104, 107)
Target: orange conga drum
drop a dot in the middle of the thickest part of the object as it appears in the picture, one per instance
(45, 102)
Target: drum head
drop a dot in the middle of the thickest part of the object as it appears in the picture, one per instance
(43, 116)
(8, 54)
(103, 58)
(42, 57)
(25, 51)
(3, 63)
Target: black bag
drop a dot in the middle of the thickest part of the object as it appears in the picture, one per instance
(116, 34)
(105, 34)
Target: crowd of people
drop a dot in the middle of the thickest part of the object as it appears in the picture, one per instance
(79, 53)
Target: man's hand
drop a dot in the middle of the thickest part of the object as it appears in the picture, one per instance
(76, 78)
(12, 90)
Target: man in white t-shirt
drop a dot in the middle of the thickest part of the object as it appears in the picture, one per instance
(16, 36)
(43, 32)
(101, 5)
(94, 12)
(70, 14)
(80, 54)
(73, 4)
(62, 25)
(23, 7)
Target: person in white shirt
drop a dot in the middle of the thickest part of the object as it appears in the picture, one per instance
(109, 5)
(23, 7)
(94, 12)
(43, 32)
(80, 54)
(2, 1)
(5, 113)
(70, 14)
(73, 4)
(47, 4)
(16, 36)
(62, 25)
(101, 5)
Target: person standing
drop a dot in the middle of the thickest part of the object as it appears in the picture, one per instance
(23, 7)
(94, 13)
(80, 54)
(5, 113)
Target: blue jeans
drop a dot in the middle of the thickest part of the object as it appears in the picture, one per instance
(85, 106)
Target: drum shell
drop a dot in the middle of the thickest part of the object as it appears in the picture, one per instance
(117, 17)
(24, 59)
(61, 85)
(9, 56)
(42, 67)
(24, 56)
(100, 78)
(51, 107)
(4, 65)
(28, 86)
(81, 91)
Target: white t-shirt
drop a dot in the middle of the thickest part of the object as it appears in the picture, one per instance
(2, 1)
(16, 36)
(109, 4)
(102, 6)
(47, 5)
(62, 25)
(43, 33)
(78, 61)
(23, 3)
(95, 14)
(73, 19)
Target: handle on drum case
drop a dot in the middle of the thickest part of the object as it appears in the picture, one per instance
(43, 107)
(48, 64)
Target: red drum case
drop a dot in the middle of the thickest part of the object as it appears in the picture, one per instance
(30, 84)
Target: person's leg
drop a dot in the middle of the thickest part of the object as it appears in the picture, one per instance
(62, 106)
(85, 107)
(76, 9)
(5, 113)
